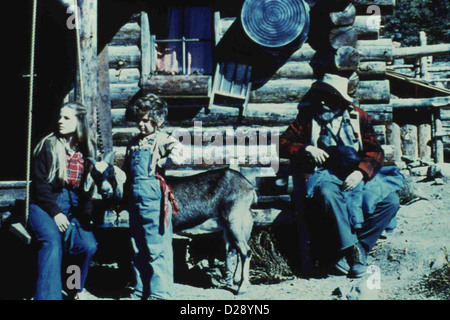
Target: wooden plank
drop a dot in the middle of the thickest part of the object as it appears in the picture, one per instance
(438, 102)
(89, 61)
(217, 27)
(104, 141)
(417, 52)
(146, 54)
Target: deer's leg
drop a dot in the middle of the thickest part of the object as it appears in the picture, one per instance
(241, 223)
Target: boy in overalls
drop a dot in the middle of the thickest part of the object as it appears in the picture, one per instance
(149, 198)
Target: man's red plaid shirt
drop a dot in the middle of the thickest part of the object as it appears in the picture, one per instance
(298, 136)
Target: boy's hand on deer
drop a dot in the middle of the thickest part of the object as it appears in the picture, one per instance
(61, 222)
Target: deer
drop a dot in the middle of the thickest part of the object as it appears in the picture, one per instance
(223, 196)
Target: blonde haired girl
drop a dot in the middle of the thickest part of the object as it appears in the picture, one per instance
(60, 206)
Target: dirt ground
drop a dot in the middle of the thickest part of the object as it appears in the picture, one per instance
(411, 262)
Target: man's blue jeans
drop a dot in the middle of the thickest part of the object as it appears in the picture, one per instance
(76, 241)
(333, 212)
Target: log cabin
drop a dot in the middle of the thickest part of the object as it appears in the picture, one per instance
(214, 62)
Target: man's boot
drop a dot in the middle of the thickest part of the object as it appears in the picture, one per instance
(357, 260)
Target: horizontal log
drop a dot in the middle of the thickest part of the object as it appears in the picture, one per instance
(176, 86)
(124, 57)
(124, 76)
(367, 27)
(423, 51)
(375, 50)
(257, 114)
(371, 70)
(373, 91)
(295, 70)
(211, 157)
(266, 114)
(437, 102)
(277, 91)
(128, 35)
(222, 134)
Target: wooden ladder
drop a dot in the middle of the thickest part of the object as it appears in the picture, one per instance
(232, 80)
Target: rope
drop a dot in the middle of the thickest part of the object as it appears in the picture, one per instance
(30, 109)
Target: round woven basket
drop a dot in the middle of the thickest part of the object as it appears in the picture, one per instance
(275, 23)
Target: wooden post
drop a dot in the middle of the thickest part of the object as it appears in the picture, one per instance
(425, 141)
(217, 27)
(424, 74)
(146, 59)
(409, 141)
(438, 132)
(89, 62)
(105, 141)
(393, 137)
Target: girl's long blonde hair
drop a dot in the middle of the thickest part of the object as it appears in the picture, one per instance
(57, 144)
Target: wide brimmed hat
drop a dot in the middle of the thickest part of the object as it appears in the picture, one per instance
(333, 83)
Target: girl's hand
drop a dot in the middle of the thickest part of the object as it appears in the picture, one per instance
(318, 155)
(352, 180)
(61, 222)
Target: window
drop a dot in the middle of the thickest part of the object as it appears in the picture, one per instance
(184, 41)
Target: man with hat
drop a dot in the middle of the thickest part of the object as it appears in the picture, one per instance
(332, 143)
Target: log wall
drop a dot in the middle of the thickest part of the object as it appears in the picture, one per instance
(354, 48)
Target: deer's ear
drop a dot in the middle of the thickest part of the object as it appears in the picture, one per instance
(120, 175)
(109, 157)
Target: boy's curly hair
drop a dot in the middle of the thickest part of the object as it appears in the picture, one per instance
(150, 104)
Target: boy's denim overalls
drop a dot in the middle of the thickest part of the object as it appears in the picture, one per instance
(152, 241)
(76, 241)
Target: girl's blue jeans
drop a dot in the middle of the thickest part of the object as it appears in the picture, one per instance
(77, 241)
